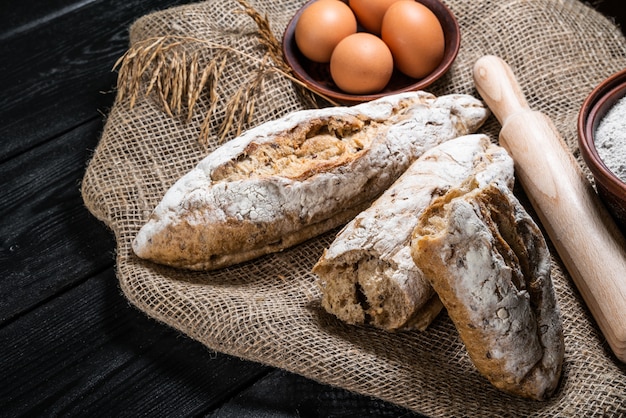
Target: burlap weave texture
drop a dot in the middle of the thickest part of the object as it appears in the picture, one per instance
(268, 310)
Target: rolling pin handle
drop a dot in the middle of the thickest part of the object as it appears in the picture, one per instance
(498, 87)
(580, 227)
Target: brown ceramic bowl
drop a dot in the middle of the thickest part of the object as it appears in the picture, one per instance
(317, 76)
(610, 188)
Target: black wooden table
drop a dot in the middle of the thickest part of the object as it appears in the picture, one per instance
(70, 344)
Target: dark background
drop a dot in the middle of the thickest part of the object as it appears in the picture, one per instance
(70, 344)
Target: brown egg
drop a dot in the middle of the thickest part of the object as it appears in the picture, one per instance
(361, 64)
(321, 26)
(369, 13)
(414, 36)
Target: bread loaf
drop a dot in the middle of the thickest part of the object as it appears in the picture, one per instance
(367, 275)
(290, 179)
(490, 265)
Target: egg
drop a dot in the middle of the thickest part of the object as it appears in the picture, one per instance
(321, 26)
(369, 13)
(414, 36)
(361, 64)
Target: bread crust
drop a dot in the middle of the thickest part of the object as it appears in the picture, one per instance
(367, 275)
(490, 265)
(293, 178)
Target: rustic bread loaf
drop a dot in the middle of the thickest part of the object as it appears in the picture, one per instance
(290, 179)
(367, 275)
(490, 265)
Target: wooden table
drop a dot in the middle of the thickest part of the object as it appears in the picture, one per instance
(71, 345)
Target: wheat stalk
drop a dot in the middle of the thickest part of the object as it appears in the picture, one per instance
(180, 80)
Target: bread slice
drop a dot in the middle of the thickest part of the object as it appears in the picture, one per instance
(490, 265)
(367, 275)
(293, 178)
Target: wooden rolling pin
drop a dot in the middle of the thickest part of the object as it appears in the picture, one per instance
(585, 236)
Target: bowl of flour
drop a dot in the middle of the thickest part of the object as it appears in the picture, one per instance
(602, 141)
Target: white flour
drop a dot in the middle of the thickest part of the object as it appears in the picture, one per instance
(610, 139)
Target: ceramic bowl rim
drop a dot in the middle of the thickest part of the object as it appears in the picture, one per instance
(593, 109)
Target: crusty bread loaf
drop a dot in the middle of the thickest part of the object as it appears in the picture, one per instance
(490, 265)
(290, 179)
(367, 275)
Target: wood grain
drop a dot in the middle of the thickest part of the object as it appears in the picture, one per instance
(90, 348)
(58, 74)
(49, 240)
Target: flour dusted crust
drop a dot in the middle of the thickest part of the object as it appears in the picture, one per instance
(293, 178)
(367, 275)
(490, 265)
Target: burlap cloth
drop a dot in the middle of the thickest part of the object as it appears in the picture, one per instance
(268, 310)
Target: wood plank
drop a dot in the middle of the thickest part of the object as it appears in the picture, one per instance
(26, 15)
(88, 353)
(54, 74)
(284, 394)
(49, 240)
